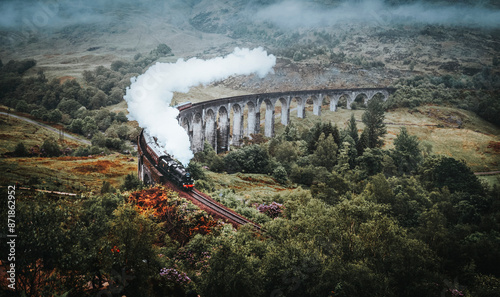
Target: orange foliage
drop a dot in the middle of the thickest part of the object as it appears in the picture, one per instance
(180, 222)
(495, 146)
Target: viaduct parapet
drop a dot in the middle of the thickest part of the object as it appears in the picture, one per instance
(224, 122)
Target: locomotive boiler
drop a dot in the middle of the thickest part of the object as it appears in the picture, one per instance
(157, 166)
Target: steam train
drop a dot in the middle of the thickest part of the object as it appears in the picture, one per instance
(165, 166)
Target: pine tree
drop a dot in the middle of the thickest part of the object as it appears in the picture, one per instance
(373, 118)
(363, 142)
(352, 129)
(326, 152)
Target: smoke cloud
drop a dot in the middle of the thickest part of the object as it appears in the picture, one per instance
(150, 94)
(292, 14)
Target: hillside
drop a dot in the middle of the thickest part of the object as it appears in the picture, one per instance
(379, 200)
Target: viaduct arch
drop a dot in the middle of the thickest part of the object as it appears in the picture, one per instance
(222, 122)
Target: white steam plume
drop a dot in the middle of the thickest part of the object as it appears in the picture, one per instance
(150, 94)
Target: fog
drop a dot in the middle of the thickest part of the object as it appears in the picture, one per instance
(292, 14)
(37, 16)
(150, 94)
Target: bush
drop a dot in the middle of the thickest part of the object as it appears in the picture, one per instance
(55, 116)
(280, 174)
(251, 159)
(131, 182)
(50, 148)
(107, 188)
(20, 150)
(82, 151)
(303, 175)
(22, 106)
(18, 67)
(196, 170)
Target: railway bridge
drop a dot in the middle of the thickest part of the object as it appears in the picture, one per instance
(224, 122)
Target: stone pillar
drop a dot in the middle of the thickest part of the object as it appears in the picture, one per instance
(197, 141)
(334, 101)
(140, 170)
(237, 125)
(301, 108)
(285, 110)
(211, 129)
(350, 100)
(256, 121)
(317, 101)
(251, 119)
(223, 130)
(269, 126)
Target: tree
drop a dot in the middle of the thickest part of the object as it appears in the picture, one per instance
(89, 126)
(362, 143)
(76, 126)
(352, 130)
(373, 118)
(20, 150)
(121, 117)
(318, 129)
(69, 106)
(22, 106)
(55, 116)
(131, 182)
(406, 154)
(132, 234)
(98, 100)
(252, 159)
(326, 152)
(107, 187)
(280, 174)
(371, 161)
(440, 171)
(233, 271)
(50, 148)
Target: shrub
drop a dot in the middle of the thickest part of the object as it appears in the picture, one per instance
(131, 182)
(18, 67)
(280, 174)
(50, 148)
(22, 106)
(252, 159)
(107, 188)
(20, 150)
(55, 116)
(82, 151)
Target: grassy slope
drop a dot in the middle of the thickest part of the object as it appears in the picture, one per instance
(433, 125)
(64, 173)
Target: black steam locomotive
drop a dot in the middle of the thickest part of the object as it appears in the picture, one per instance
(175, 172)
(167, 167)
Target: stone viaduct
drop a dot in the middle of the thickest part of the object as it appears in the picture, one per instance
(224, 122)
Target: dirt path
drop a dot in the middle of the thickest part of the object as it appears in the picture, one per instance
(487, 173)
(84, 141)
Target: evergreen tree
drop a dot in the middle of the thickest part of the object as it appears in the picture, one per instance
(373, 118)
(362, 144)
(407, 154)
(326, 152)
(20, 150)
(352, 129)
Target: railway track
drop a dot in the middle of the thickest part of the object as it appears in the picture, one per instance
(222, 210)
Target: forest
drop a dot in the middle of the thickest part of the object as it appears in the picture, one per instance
(364, 221)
